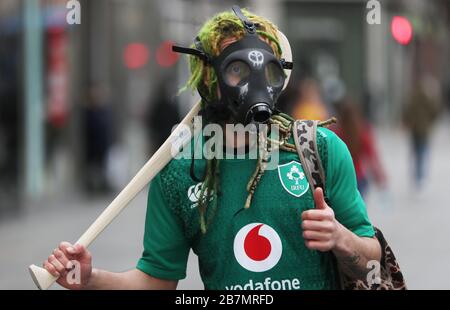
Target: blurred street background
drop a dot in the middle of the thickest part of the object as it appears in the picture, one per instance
(84, 105)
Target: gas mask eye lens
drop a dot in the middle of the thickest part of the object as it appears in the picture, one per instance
(237, 73)
(274, 75)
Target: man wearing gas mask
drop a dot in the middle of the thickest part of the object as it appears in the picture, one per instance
(250, 228)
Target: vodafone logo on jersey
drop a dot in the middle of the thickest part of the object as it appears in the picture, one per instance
(257, 247)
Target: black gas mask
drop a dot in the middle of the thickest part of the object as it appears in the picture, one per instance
(250, 76)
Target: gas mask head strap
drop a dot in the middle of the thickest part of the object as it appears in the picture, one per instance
(197, 51)
(248, 25)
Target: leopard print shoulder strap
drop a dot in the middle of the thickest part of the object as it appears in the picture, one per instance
(304, 132)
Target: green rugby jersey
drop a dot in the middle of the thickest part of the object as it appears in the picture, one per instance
(257, 248)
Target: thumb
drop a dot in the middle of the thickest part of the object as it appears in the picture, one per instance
(76, 249)
(319, 200)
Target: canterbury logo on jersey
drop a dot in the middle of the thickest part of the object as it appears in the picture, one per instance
(193, 194)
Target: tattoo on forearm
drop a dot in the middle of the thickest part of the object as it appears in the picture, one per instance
(352, 260)
(351, 265)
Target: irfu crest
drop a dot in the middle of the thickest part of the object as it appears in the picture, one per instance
(293, 178)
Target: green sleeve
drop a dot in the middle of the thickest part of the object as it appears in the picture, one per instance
(166, 249)
(341, 186)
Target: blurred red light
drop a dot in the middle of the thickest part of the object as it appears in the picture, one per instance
(402, 30)
(165, 56)
(136, 55)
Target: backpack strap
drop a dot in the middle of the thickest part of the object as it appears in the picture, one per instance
(305, 133)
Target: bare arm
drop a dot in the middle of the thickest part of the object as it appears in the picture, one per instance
(354, 252)
(68, 259)
(129, 280)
